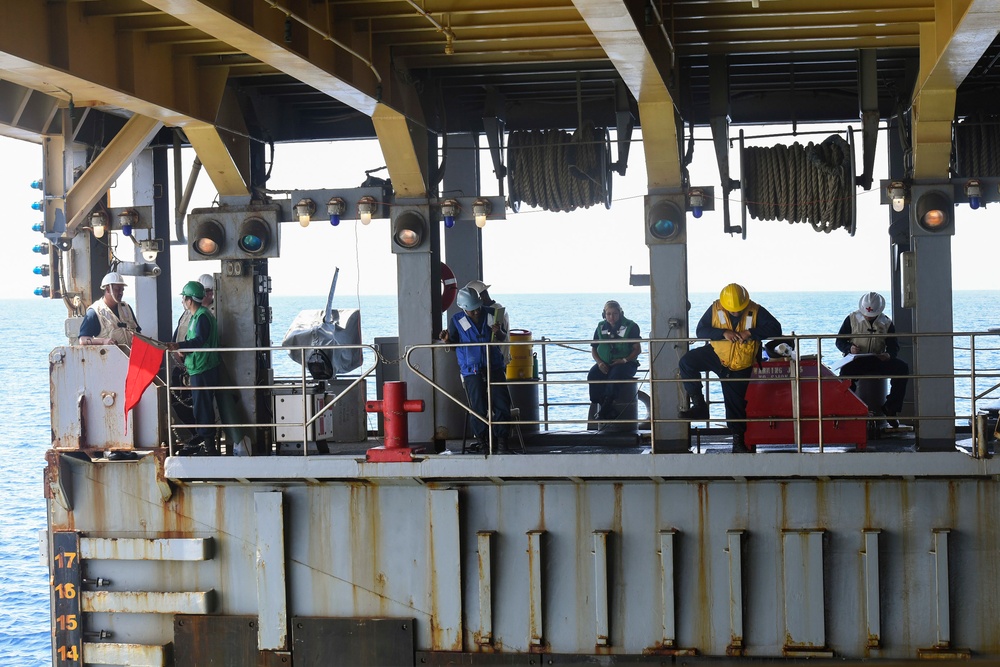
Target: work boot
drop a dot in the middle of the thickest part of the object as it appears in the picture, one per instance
(698, 409)
(890, 416)
(739, 446)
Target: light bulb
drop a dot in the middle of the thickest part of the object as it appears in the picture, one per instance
(98, 230)
(366, 217)
(335, 208)
(304, 209)
(696, 202)
(366, 207)
(149, 255)
(974, 193)
(449, 221)
(897, 193)
(480, 209)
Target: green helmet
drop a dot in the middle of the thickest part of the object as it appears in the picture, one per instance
(194, 289)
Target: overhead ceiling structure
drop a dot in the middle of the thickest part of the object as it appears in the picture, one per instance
(231, 71)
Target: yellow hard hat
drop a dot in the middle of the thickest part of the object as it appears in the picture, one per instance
(734, 298)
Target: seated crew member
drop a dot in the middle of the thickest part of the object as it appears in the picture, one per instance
(614, 360)
(476, 323)
(734, 326)
(202, 367)
(109, 320)
(880, 358)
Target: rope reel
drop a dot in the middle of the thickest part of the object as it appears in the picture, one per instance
(977, 146)
(813, 183)
(558, 171)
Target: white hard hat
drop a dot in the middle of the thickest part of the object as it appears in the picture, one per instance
(207, 281)
(468, 299)
(113, 278)
(871, 304)
(477, 285)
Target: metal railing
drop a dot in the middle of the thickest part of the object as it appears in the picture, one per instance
(975, 378)
(303, 384)
(983, 364)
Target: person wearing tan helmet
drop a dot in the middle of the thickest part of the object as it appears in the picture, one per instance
(109, 320)
(734, 327)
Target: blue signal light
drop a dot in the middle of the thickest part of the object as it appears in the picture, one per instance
(37, 206)
(38, 227)
(251, 243)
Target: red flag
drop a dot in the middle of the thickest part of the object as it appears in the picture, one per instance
(143, 364)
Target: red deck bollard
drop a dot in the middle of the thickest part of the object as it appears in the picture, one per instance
(393, 408)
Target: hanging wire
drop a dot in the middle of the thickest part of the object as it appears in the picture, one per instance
(799, 183)
(558, 171)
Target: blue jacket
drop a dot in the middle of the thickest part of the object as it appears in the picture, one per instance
(472, 360)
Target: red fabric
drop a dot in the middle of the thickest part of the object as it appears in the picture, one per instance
(143, 364)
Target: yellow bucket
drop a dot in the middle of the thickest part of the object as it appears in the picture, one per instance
(521, 366)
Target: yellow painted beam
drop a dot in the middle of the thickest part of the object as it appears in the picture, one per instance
(624, 43)
(58, 49)
(219, 161)
(949, 49)
(83, 195)
(404, 146)
(260, 32)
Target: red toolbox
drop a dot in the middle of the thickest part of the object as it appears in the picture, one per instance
(769, 399)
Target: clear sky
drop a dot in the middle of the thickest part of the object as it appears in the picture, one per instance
(531, 251)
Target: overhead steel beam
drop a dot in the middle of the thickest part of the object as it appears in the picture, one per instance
(949, 49)
(259, 31)
(58, 49)
(109, 165)
(643, 72)
(404, 146)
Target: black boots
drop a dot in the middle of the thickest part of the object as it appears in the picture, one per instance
(739, 446)
(698, 409)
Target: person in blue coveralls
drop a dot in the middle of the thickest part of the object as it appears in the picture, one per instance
(734, 326)
(613, 360)
(476, 323)
(202, 367)
(864, 333)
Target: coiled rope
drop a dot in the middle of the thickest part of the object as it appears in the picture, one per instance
(558, 171)
(800, 183)
(977, 145)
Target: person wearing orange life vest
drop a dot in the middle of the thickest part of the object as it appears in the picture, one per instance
(734, 326)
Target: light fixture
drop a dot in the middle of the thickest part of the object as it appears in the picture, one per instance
(41, 248)
(128, 219)
(43, 292)
(304, 210)
(975, 194)
(897, 193)
(696, 202)
(336, 208)
(38, 227)
(481, 209)
(37, 206)
(37, 184)
(42, 270)
(150, 249)
(98, 223)
(366, 207)
(449, 209)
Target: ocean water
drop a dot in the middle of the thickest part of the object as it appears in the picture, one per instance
(31, 328)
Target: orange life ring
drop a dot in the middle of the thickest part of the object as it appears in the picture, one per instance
(449, 287)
